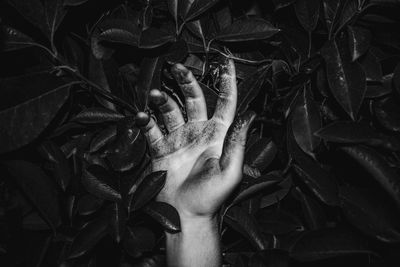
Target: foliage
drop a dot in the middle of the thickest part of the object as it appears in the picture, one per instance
(321, 181)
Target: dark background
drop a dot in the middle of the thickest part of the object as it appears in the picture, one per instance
(321, 183)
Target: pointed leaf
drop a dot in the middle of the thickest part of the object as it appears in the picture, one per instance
(14, 39)
(331, 8)
(359, 41)
(387, 111)
(370, 213)
(97, 115)
(118, 219)
(88, 237)
(306, 120)
(346, 79)
(88, 205)
(328, 243)
(148, 189)
(247, 30)
(307, 12)
(313, 211)
(32, 100)
(97, 181)
(38, 188)
(103, 138)
(261, 154)
(198, 7)
(164, 214)
(173, 9)
(377, 166)
(153, 37)
(278, 222)
(372, 68)
(277, 195)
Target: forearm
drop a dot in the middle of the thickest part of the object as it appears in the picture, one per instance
(197, 245)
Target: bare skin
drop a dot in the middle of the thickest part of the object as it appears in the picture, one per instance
(203, 159)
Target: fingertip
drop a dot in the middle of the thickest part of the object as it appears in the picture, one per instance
(181, 73)
(142, 119)
(158, 97)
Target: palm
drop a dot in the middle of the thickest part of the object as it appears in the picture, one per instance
(193, 152)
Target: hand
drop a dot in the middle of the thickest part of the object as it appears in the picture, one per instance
(203, 161)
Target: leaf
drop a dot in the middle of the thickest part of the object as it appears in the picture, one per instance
(118, 220)
(59, 163)
(103, 138)
(307, 12)
(88, 237)
(355, 132)
(349, 10)
(261, 153)
(198, 7)
(13, 39)
(138, 240)
(278, 222)
(328, 243)
(377, 166)
(38, 188)
(128, 148)
(247, 30)
(359, 41)
(313, 211)
(396, 78)
(74, 2)
(331, 8)
(372, 68)
(119, 31)
(97, 181)
(370, 213)
(164, 214)
(260, 184)
(88, 205)
(177, 52)
(153, 37)
(282, 3)
(149, 78)
(387, 112)
(346, 79)
(173, 9)
(306, 120)
(318, 180)
(197, 29)
(97, 115)
(148, 189)
(245, 224)
(31, 100)
(277, 195)
(270, 257)
(249, 88)
(378, 90)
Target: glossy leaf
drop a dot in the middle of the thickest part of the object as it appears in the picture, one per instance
(346, 79)
(148, 189)
(98, 181)
(247, 30)
(164, 214)
(277, 195)
(282, 3)
(307, 12)
(102, 138)
(245, 224)
(88, 237)
(313, 212)
(260, 154)
(359, 41)
(34, 101)
(88, 205)
(377, 166)
(371, 214)
(328, 243)
(173, 8)
(330, 8)
(387, 112)
(198, 7)
(14, 39)
(306, 120)
(38, 188)
(97, 115)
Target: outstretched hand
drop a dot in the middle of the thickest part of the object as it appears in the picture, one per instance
(203, 157)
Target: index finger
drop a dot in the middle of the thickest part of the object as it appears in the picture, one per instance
(227, 99)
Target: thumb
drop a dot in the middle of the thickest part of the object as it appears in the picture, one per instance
(232, 157)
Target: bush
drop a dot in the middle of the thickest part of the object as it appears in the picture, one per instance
(321, 181)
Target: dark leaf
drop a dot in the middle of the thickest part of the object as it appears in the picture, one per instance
(346, 79)
(331, 8)
(153, 37)
(261, 154)
(148, 189)
(88, 237)
(88, 204)
(98, 181)
(247, 30)
(282, 3)
(355, 132)
(245, 224)
(378, 90)
(103, 138)
(307, 12)
(97, 115)
(249, 88)
(318, 180)
(328, 243)
(277, 195)
(372, 68)
(396, 78)
(348, 12)
(270, 257)
(177, 53)
(260, 184)
(59, 163)
(14, 39)
(31, 100)
(371, 214)
(313, 211)
(34, 222)
(378, 167)
(120, 31)
(173, 9)
(359, 41)
(74, 2)
(149, 78)
(387, 112)
(138, 240)
(197, 7)
(38, 188)
(118, 220)
(306, 120)
(278, 222)
(196, 28)
(164, 214)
